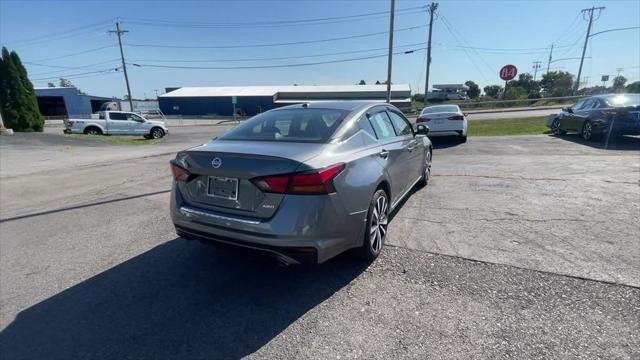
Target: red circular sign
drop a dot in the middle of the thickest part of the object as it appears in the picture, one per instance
(508, 72)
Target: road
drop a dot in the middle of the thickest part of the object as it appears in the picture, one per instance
(520, 247)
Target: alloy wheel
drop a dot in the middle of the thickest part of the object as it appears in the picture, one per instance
(379, 222)
(157, 134)
(427, 170)
(555, 127)
(587, 131)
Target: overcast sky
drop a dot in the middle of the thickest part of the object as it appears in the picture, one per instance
(471, 41)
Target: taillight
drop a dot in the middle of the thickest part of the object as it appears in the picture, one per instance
(456, 117)
(422, 119)
(274, 184)
(310, 182)
(179, 173)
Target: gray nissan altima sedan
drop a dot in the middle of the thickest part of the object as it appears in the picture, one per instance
(303, 182)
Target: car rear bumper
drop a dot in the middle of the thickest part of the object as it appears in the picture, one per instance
(304, 229)
(445, 133)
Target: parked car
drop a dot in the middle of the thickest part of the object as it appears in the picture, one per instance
(591, 117)
(117, 123)
(444, 120)
(302, 182)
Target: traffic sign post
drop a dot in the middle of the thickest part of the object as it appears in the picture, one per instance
(234, 101)
(508, 72)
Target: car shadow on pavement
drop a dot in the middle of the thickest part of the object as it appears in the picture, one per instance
(615, 142)
(443, 142)
(180, 299)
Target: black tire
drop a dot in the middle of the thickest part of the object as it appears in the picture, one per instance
(587, 131)
(156, 133)
(463, 138)
(426, 171)
(92, 130)
(376, 226)
(556, 127)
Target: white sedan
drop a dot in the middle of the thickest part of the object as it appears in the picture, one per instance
(444, 120)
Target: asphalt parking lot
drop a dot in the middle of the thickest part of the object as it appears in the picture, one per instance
(520, 247)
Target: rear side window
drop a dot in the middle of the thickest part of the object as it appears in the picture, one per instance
(402, 126)
(382, 125)
(293, 125)
(365, 125)
(117, 116)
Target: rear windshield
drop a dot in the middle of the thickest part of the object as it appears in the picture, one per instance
(289, 125)
(439, 109)
(623, 100)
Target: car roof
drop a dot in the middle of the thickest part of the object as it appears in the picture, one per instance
(349, 105)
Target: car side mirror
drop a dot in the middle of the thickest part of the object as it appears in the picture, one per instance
(568, 109)
(422, 129)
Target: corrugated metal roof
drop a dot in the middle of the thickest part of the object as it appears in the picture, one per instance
(272, 90)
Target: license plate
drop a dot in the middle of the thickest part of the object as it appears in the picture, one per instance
(440, 121)
(222, 187)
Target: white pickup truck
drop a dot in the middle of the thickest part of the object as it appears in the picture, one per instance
(117, 123)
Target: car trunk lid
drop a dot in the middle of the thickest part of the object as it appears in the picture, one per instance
(222, 172)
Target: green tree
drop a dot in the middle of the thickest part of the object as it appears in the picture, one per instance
(378, 82)
(526, 82)
(362, 82)
(492, 90)
(557, 83)
(515, 93)
(50, 84)
(474, 89)
(634, 87)
(65, 83)
(619, 83)
(18, 102)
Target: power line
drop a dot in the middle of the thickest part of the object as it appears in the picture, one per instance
(618, 29)
(279, 58)
(71, 76)
(451, 31)
(60, 33)
(274, 44)
(299, 22)
(66, 68)
(275, 65)
(76, 53)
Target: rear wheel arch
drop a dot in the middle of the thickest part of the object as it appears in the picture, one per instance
(91, 128)
(384, 185)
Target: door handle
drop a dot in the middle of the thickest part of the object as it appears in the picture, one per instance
(384, 154)
(412, 145)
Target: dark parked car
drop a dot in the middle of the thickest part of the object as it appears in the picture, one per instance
(591, 117)
(302, 182)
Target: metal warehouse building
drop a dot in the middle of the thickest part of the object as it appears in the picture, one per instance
(67, 102)
(255, 99)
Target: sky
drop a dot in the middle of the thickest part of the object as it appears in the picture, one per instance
(472, 40)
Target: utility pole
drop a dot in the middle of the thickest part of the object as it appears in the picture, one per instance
(119, 32)
(619, 70)
(550, 55)
(536, 66)
(586, 40)
(432, 9)
(390, 59)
